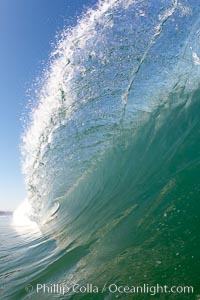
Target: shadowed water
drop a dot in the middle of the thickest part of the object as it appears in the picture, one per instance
(111, 158)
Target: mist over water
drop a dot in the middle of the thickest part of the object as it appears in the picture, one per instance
(111, 155)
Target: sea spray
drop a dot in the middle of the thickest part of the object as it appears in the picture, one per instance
(111, 154)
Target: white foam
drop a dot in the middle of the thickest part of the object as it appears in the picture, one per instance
(196, 59)
(21, 216)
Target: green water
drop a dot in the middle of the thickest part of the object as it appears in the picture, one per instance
(142, 228)
(111, 161)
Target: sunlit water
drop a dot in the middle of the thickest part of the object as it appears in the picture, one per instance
(111, 157)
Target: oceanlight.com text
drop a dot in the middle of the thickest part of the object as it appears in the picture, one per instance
(109, 288)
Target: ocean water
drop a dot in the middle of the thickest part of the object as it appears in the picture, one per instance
(111, 156)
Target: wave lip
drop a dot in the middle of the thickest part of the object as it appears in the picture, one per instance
(107, 76)
(111, 154)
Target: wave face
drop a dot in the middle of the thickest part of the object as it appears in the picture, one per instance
(111, 153)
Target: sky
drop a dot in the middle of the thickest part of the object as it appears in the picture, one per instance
(27, 31)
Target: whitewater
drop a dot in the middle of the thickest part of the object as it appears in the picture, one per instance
(110, 157)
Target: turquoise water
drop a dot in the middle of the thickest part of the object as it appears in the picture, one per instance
(111, 159)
